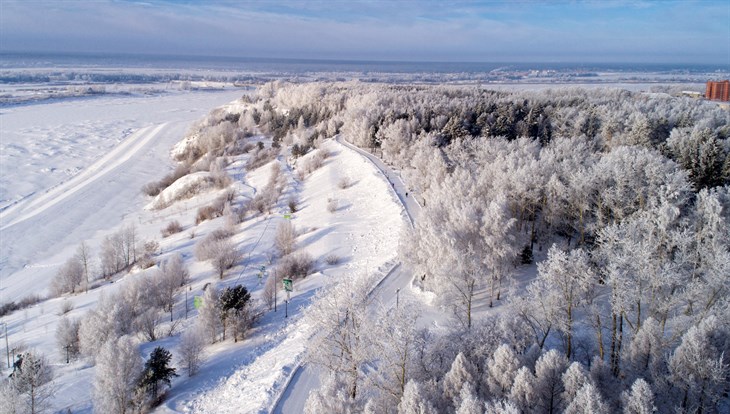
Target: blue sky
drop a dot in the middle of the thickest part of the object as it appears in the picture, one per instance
(660, 31)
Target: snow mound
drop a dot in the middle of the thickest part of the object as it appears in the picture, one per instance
(181, 148)
(183, 188)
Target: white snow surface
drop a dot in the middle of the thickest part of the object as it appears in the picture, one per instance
(71, 170)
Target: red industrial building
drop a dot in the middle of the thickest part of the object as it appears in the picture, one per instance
(718, 91)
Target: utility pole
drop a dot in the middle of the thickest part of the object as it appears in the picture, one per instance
(7, 347)
(67, 348)
(397, 291)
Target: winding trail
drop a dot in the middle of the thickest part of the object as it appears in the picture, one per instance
(306, 378)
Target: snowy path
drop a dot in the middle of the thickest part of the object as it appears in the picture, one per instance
(391, 289)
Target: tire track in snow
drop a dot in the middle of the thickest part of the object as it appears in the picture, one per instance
(104, 165)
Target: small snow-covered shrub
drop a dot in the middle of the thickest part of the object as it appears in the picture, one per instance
(220, 251)
(66, 307)
(331, 205)
(296, 265)
(260, 157)
(154, 188)
(344, 182)
(221, 179)
(314, 162)
(292, 203)
(173, 227)
(28, 301)
(332, 259)
(208, 212)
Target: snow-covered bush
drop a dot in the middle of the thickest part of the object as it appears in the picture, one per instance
(285, 238)
(221, 252)
(172, 227)
(295, 265)
(69, 278)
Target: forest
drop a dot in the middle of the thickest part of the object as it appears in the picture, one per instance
(623, 201)
(575, 241)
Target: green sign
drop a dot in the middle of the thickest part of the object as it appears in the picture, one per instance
(287, 216)
(288, 285)
(197, 302)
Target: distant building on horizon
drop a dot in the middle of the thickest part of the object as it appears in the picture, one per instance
(718, 90)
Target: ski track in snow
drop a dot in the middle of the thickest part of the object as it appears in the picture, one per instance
(113, 159)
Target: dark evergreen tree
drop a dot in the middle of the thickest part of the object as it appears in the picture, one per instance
(233, 301)
(157, 370)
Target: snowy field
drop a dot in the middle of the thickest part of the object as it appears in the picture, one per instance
(87, 158)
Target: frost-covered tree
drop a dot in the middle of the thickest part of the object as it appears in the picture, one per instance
(342, 317)
(461, 373)
(501, 407)
(83, 254)
(69, 277)
(67, 337)
(640, 399)
(29, 388)
(415, 400)
(221, 253)
(524, 393)
(574, 378)
(167, 281)
(209, 317)
(587, 401)
(333, 397)
(118, 367)
(549, 389)
(469, 402)
(700, 152)
(502, 368)
(113, 317)
(395, 341)
(565, 280)
(646, 352)
(191, 350)
(700, 365)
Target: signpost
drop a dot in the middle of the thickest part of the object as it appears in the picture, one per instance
(288, 287)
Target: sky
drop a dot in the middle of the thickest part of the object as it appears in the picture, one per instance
(620, 31)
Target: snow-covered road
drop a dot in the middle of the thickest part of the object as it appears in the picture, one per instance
(391, 289)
